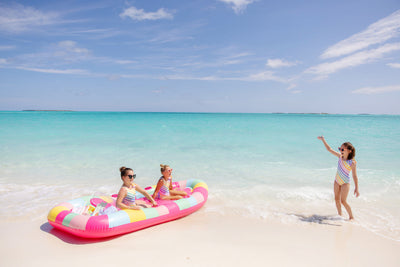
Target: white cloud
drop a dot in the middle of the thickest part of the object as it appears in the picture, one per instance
(238, 5)
(140, 14)
(377, 90)
(291, 86)
(257, 77)
(18, 18)
(279, 63)
(55, 71)
(356, 59)
(7, 47)
(394, 65)
(70, 47)
(264, 76)
(377, 33)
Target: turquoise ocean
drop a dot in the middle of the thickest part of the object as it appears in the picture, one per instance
(260, 166)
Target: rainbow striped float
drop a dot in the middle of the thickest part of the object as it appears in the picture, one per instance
(66, 218)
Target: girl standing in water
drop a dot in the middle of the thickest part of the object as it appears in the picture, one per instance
(346, 164)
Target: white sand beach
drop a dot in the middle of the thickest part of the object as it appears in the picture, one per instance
(201, 239)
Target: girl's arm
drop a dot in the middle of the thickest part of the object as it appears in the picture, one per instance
(159, 184)
(170, 184)
(355, 178)
(337, 154)
(119, 204)
(147, 195)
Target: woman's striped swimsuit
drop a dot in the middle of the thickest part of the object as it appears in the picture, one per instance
(130, 198)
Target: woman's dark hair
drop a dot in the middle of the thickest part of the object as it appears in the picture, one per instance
(352, 150)
(124, 171)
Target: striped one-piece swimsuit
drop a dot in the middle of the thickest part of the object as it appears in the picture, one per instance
(343, 171)
(164, 190)
(130, 197)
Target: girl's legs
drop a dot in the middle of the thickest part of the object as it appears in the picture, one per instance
(171, 197)
(177, 193)
(337, 190)
(345, 189)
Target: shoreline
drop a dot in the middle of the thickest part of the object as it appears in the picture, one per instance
(201, 239)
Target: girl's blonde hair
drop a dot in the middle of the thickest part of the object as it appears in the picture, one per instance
(163, 167)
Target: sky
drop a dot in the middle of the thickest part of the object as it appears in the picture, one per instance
(253, 56)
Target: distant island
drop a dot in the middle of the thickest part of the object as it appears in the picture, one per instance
(52, 110)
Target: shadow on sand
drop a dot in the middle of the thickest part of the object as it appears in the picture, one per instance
(71, 239)
(333, 220)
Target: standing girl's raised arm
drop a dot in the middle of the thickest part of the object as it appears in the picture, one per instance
(337, 154)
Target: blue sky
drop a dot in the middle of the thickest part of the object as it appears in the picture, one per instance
(201, 56)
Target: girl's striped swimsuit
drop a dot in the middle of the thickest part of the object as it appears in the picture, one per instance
(343, 171)
(164, 190)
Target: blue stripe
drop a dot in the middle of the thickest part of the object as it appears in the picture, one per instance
(118, 218)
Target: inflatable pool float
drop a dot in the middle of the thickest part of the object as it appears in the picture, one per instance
(97, 217)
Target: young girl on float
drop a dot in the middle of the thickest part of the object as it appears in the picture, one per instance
(126, 198)
(346, 164)
(164, 188)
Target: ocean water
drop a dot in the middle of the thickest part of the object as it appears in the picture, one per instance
(263, 166)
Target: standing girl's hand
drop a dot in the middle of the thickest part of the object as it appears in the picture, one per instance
(321, 137)
(356, 192)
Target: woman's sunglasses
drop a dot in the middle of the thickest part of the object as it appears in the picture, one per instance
(132, 176)
(341, 149)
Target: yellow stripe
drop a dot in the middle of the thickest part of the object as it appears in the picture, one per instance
(136, 215)
(339, 180)
(107, 199)
(55, 211)
(201, 184)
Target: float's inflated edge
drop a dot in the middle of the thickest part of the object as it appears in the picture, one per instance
(65, 217)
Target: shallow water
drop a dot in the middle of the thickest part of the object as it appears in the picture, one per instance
(267, 166)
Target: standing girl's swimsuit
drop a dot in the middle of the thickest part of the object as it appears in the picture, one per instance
(343, 171)
(164, 190)
(130, 198)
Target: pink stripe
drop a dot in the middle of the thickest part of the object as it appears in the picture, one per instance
(97, 223)
(172, 207)
(182, 184)
(201, 190)
(60, 217)
(162, 210)
(79, 222)
(198, 196)
(67, 205)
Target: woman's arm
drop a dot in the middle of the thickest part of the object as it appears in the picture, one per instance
(355, 178)
(337, 154)
(147, 195)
